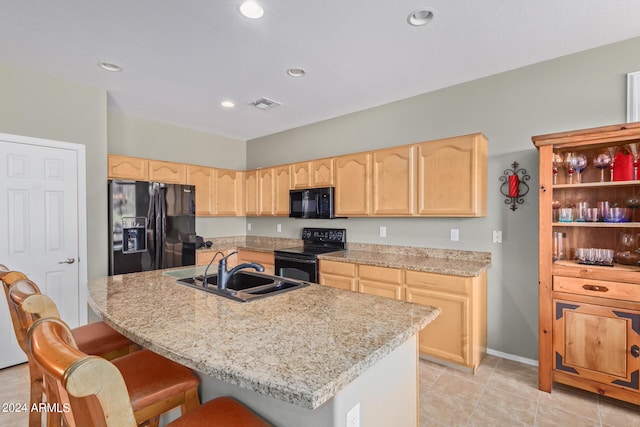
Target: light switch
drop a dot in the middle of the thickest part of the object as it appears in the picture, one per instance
(455, 234)
(383, 231)
(279, 228)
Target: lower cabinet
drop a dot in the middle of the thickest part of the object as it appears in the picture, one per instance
(341, 275)
(266, 259)
(458, 336)
(596, 340)
(381, 281)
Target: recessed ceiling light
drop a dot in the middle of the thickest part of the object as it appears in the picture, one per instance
(251, 10)
(420, 17)
(296, 72)
(227, 104)
(110, 67)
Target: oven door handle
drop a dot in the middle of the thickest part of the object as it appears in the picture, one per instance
(284, 258)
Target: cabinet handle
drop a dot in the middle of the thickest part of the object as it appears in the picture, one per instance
(635, 351)
(595, 288)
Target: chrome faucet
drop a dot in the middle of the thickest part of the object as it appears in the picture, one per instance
(224, 275)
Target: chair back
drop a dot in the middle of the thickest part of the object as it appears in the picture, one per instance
(17, 291)
(96, 393)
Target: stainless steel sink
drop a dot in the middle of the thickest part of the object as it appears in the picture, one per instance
(245, 286)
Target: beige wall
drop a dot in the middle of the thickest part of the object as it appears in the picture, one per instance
(38, 105)
(583, 90)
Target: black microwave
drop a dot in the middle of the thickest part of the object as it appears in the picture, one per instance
(311, 203)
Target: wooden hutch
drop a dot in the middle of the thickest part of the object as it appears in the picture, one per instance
(589, 314)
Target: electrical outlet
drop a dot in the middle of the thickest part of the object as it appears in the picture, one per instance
(455, 235)
(279, 228)
(383, 231)
(353, 416)
(248, 226)
(497, 236)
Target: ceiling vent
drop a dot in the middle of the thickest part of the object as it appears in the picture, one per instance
(265, 104)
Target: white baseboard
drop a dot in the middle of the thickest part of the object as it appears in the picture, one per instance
(513, 357)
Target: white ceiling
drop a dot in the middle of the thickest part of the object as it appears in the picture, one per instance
(182, 57)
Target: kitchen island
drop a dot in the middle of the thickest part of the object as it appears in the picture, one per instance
(305, 357)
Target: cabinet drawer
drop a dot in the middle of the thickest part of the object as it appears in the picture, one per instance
(598, 288)
(255, 256)
(457, 284)
(338, 268)
(380, 274)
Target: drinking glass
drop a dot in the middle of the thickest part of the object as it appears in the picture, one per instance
(612, 153)
(633, 148)
(602, 161)
(557, 163)
(633, 202)
(575, 162)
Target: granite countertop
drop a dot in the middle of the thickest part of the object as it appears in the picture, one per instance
(300, 347)
(442, 261)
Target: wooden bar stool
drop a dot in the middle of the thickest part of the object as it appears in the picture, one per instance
(97, 390)
(155, 384)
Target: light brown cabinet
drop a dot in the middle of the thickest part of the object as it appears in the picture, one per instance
(266, 191)
(266, 259)
(341, 275)
(301, 175)
(353, 185)
(394, 181)
(381, 281)
(228, 192)
(282, 185)
(452, 177)
(458, 336)
(251, 193)
(203, 179)
(125, 167)
(314, 173)
(167, 172)
(589, 314)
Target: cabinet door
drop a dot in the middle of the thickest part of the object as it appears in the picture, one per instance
(394, 181)
(381, 281)
(353, 185)
(202, 178)
(265, 191)
(282, 185)
(322, 173)
(124, 167)
(452, 177)
(167, 172)
(597, 342)
(228, 192)
(341, 275)
(251, 193)
(300, 176)
(266, 259)
(447, 337)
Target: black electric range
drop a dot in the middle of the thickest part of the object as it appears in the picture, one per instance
(301, 262)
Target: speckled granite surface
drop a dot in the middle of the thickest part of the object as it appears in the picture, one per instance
(442, 261)
(300, 347)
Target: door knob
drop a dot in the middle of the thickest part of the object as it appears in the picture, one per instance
(68, 261)
(635, 351)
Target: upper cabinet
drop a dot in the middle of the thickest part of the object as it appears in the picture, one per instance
(203, 179)
(315, 173)
(282, 185)
(168, 172)
(353, 185)
(265, 191)
(228, 192)
(394, 181)
(251, 193)
(452, 177)
(125, 167)
(444, 178)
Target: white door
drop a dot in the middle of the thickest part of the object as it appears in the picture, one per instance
(39, 229)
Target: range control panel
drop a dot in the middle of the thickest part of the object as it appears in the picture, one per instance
(316, 235)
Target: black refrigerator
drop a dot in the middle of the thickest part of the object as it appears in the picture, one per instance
(151, 226)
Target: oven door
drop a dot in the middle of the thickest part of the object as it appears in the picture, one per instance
(296, 268)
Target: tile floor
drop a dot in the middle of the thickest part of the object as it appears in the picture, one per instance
(503, 393)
